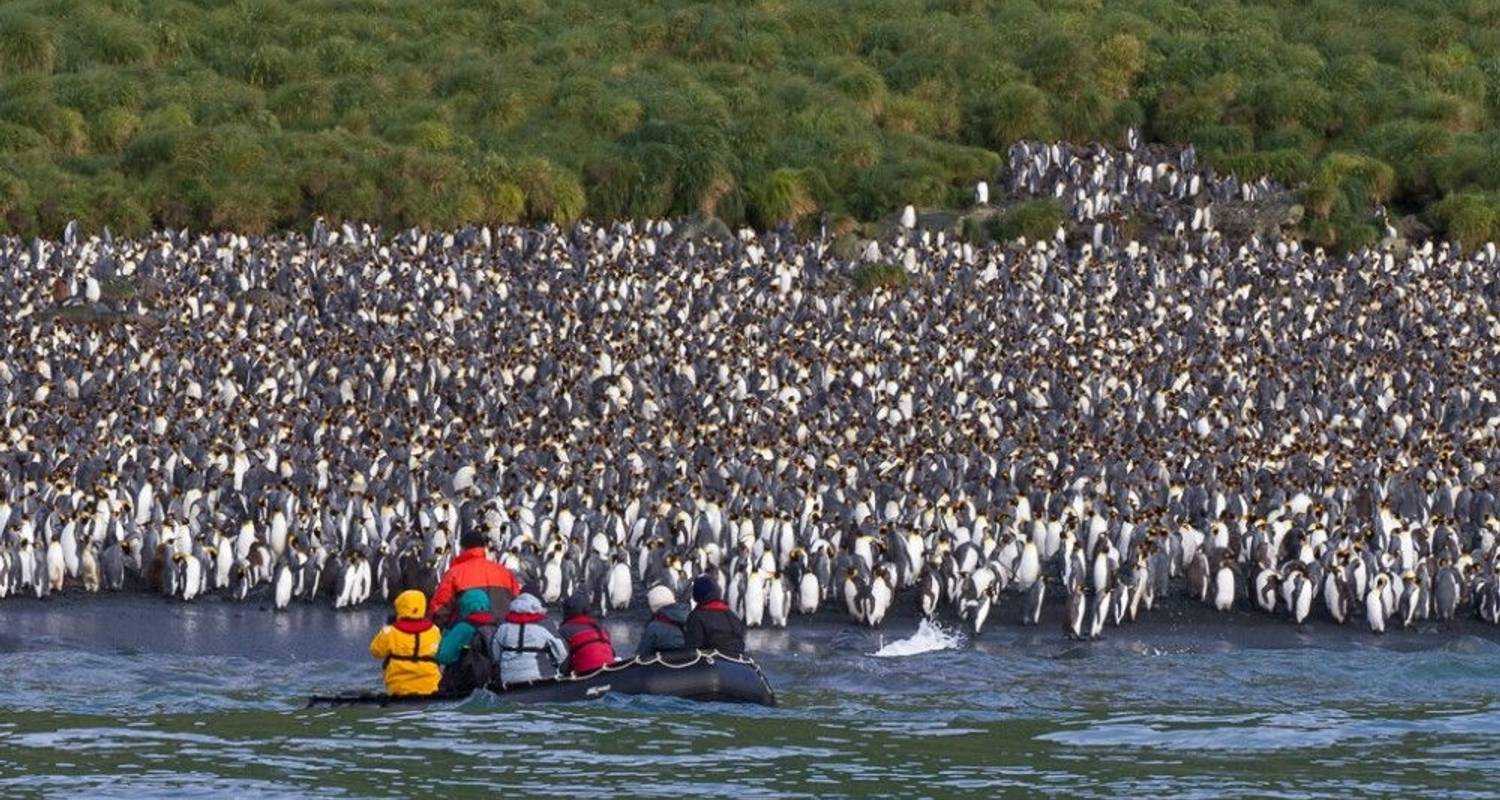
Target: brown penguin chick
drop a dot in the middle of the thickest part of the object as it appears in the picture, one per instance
(159, 563)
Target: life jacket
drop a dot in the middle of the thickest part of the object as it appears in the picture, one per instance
(521, 620)
(414, 627)
(588, 648)
(474, 669)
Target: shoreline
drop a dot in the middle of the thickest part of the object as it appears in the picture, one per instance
(215, 626)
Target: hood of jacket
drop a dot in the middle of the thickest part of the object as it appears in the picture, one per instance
(412, 604)
(472, 601)
(527, 604)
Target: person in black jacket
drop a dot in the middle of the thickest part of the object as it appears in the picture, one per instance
(712, 626)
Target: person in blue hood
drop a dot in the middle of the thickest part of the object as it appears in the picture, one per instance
(526, 648)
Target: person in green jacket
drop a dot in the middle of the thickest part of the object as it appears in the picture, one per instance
(664, 631)
(464, 651)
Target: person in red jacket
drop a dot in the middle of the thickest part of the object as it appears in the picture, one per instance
(589, 647)
(473, 569)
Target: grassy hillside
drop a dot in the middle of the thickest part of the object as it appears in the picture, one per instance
(257, 114)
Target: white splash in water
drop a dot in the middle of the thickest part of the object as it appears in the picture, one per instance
(929, 637)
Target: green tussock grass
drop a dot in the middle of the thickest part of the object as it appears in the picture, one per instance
(1470, 219)
(260, 114)
(1034, 219)
(870, 277)
(26, 43)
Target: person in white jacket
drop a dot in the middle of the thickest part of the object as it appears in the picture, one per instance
(525, 648)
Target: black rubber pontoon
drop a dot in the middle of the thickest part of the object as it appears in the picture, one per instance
(705, 677)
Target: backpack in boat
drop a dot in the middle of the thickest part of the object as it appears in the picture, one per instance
(474, 669)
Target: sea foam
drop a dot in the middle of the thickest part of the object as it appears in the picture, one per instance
(929, 637)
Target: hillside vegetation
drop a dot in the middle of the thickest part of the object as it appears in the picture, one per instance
(259, 114)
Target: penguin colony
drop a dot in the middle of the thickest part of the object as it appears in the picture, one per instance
(1071, 430)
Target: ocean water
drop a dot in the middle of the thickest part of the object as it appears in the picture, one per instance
(135, 697)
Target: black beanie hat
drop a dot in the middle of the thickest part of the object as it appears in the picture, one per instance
(704, 589)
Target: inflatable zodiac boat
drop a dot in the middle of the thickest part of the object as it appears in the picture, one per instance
(701, 676)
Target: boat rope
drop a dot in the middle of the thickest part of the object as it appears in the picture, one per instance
(699, 657)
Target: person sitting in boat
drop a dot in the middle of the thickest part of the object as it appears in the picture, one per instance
(665, 630)
(525, 641)
(712, 626)
(465, 649)
(588, 642)
(408, 646)
(473, 569)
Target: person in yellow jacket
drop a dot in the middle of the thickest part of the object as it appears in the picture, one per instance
(408, 647)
